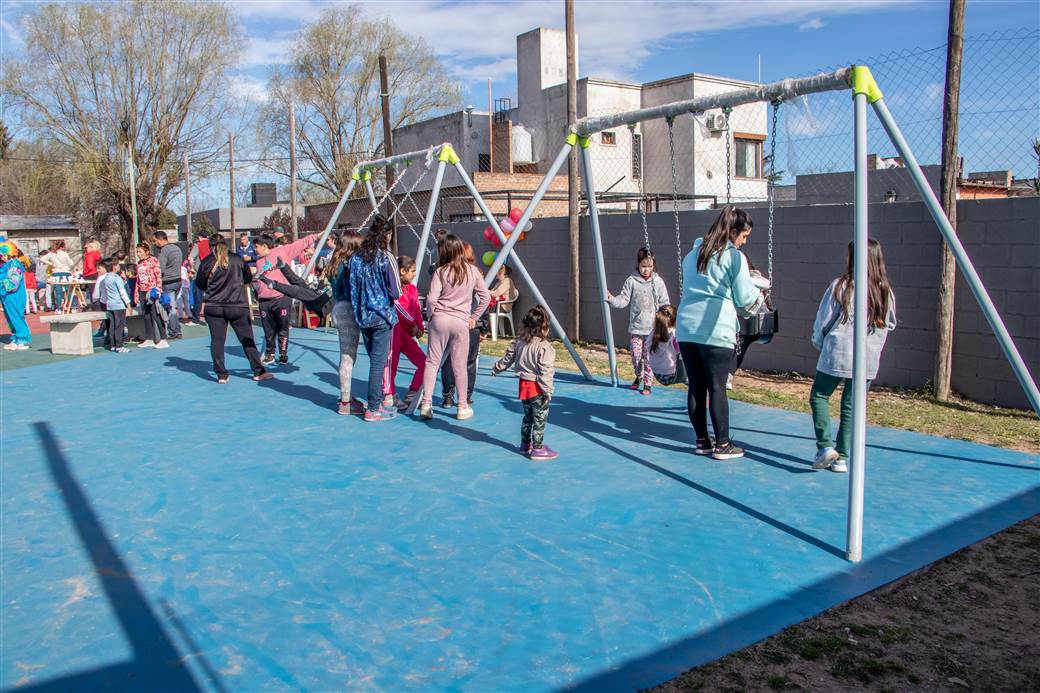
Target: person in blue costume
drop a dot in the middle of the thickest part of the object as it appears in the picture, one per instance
(12, 296)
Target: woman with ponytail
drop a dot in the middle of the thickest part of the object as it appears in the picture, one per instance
(717, 282)
(223, 278)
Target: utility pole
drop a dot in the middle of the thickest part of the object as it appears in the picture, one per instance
(572, 175)
(187, 198)
(388, 141)
(292, 169)
(231, 170)
(948, 196)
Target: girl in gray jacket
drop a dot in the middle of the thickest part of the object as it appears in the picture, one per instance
(535, 361)
(833, 336)
(644, 293)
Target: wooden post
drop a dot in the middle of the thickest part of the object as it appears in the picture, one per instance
(187, 199)
(572, 178)
(388, 141)
(948, 197)
(491, 133)
(231, 171)
(292, 171)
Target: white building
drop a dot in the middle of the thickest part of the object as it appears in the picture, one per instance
(525, 138)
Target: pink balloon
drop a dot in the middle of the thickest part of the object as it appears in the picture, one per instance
(489, 234)
(506, 225)
(495, 242)
(515, 213)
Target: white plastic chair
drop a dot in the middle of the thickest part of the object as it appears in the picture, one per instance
(504, 311)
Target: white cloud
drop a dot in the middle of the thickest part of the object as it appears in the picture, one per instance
(257, 52)
(496, 71)
(13, 33)
(248, 88)
(478, 39)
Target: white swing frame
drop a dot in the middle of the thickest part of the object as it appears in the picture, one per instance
(446, 156)
(865, 90)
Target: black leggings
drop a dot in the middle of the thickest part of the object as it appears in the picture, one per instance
(218, 317)
(448, 375)
(707, 368)
(314, 301)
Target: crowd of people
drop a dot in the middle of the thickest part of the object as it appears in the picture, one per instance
(372, 298)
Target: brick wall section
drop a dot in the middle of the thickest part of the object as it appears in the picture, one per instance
(1001, 237)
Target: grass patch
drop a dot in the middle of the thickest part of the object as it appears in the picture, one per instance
(913, 410)
(781, 683)
(863, 669)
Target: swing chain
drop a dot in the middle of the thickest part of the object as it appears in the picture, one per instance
(408, 196)
(642, 195)
(729, 161)
(771, 182)
(675, 199)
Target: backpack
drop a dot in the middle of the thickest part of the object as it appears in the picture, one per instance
(369, 293)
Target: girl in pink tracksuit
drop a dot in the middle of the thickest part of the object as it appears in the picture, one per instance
(409, 328)
(452, 316)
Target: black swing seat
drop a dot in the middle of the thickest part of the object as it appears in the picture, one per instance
(763, 324)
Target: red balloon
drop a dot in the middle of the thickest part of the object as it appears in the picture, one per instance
(489, 234)
(515, 213)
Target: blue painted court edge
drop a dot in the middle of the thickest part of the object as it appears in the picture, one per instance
(163, 532)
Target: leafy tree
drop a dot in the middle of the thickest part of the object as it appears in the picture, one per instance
(333, 80)
(200, 225)
(159, 66)
(166, 219)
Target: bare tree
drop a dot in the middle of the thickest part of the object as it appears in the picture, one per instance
(333, 80)
(159, 66)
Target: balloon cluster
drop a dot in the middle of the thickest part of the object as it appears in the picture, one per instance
(508, 226)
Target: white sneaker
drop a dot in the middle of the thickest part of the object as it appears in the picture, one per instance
(729, 382)
(465, 412)
(840, 466)
(11, 347)
(824, 458)
(426, 411)
(162, 344)
(146, 344)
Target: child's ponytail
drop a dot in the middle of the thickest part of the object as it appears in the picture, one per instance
(664, 321)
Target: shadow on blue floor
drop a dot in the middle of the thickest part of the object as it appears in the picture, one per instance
(165, 533)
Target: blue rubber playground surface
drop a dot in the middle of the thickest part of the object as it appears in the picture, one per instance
(163, 533)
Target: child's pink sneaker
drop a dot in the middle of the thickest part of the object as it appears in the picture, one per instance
(525, 448)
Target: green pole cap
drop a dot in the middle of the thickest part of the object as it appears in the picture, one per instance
(572, 139)
(863, 83)
(355, 175)
(584, 142)
(448, 155)
(366, 175)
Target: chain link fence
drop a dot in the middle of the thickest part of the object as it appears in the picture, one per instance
(805, 145)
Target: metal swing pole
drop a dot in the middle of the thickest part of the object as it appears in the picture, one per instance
(371, 192)
(857, 456)
(539, 193)
(601, 273)
(332, 222)
(535, 292)
(446, 154)
(964, 263)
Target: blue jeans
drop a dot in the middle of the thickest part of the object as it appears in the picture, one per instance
(196, 302)
(173, 322)
(377, 343)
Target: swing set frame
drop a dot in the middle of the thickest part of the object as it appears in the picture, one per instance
(865, 90)
(444, 155)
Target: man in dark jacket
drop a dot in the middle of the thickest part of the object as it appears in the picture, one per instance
(170, 260)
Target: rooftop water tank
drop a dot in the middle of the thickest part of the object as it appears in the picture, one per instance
(522, 146)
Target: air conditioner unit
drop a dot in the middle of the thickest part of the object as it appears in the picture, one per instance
(717, 122)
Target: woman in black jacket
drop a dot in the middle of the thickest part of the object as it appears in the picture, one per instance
(223, 278)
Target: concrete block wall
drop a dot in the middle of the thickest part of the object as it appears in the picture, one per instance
(810, 247)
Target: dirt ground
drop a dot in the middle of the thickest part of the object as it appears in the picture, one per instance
(969, 622)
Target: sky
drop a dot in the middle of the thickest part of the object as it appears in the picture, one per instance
(632, 40)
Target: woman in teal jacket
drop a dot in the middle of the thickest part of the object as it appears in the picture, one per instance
(717, 282)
